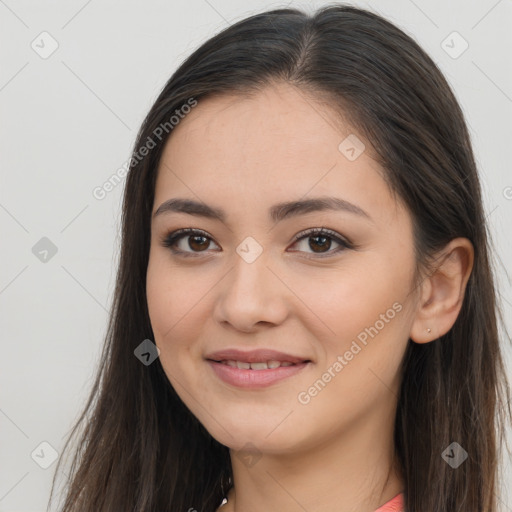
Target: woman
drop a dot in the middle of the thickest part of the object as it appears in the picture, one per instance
(247, 370)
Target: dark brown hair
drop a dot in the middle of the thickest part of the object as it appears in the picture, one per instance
(140, 448)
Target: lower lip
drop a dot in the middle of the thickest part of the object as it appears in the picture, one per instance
(254, 378)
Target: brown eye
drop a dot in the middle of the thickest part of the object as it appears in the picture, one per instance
(320, 241)
(198, 243)
(187, 242)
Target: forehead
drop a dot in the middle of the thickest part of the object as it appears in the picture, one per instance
(276, 144)
(280, 117)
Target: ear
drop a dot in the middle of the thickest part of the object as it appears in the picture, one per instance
(442, 291)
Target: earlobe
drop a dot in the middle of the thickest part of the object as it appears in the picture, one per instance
(442, 292)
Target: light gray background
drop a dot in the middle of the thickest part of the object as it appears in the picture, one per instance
(69, 121)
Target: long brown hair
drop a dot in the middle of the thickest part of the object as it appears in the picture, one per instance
(139, 447)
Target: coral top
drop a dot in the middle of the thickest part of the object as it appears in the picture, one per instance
(394, 505)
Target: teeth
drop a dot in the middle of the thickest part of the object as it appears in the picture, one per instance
(257, 366)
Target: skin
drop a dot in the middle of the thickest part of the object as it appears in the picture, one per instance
(243, 155)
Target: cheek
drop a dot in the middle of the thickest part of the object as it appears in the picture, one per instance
(358, 370)
(164, 307)
(172, 294)
(361, 315)
(177, 300)
(344, 303)
(161, 305)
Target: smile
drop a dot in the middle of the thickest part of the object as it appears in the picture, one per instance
(265, 365)
(255, 375)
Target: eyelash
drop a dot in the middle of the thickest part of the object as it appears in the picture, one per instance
(170, 240)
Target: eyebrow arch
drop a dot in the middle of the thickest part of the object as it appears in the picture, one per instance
(277, 213)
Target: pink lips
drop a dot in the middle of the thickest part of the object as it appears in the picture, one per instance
(249, 378)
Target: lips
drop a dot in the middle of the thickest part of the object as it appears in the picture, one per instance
(245, 376)
(244, 359)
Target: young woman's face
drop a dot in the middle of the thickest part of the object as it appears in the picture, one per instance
(344, 312)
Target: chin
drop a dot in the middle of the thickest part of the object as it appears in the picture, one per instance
(257, 435)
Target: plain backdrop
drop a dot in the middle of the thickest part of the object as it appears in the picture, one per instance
(76, 80)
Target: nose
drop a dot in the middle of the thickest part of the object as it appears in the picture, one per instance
(251, 296)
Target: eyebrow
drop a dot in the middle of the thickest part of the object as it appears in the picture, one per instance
(277, 213)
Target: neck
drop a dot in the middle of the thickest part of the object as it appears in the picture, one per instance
(353, 471)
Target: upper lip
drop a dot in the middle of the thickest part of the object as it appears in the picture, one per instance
(254, 356)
